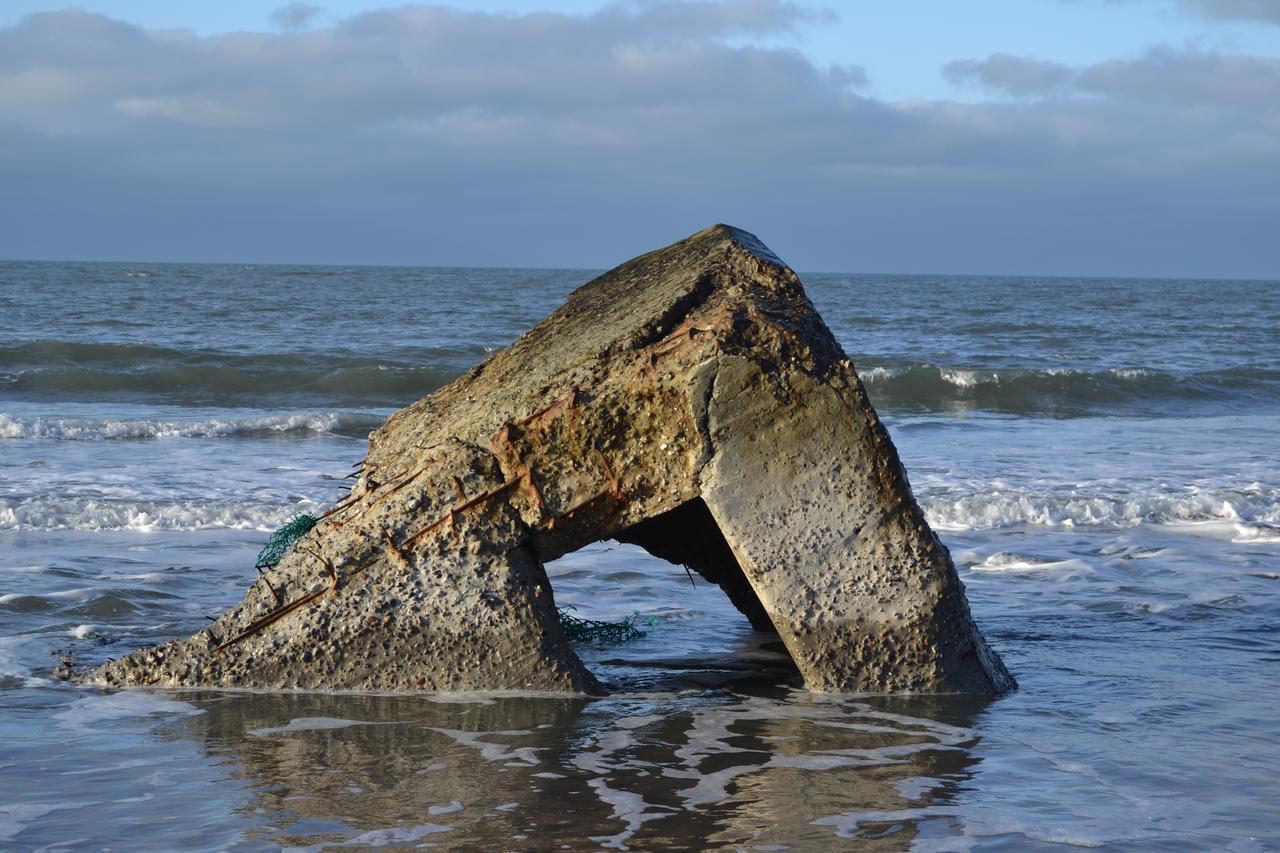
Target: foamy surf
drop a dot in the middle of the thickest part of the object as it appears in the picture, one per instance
(1004, 561)
(90, 711)
(310, 724)
(921, 386)
(49, 513)
(1253, 515)
(86, 429)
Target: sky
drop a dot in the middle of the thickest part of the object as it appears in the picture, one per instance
(1019, 137)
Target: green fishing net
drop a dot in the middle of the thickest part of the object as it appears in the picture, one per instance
(580, 630)
(283, 539)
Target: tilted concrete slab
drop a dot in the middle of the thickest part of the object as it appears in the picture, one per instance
(691, 401)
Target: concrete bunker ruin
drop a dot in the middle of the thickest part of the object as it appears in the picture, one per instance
(690, 401)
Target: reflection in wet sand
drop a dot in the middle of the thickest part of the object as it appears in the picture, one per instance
(745, 764)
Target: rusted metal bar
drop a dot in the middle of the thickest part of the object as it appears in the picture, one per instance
(328, 567)
(612, 489)
(271, 618)
(339, 507)
(550, 522)
(391, 546)
(463, 507)
(570, 400)
(534, 490)
(614, 486)
(345, 503)
(284, 610)
(501, 438)
(262, 574)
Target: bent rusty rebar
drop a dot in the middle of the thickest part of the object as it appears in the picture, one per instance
(271, 618)
(463, 507)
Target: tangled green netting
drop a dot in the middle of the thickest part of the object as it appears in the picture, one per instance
(578, 630)
(283, 539)
(575, 628)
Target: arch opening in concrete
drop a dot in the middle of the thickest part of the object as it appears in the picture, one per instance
(678, 578)
(689, 536)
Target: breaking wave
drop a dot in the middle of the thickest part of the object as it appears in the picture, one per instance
(350, 378)
(47, 513)
(1237, 516)
(929, 387)
(62, 370)
(84, 429)
(1251, 514)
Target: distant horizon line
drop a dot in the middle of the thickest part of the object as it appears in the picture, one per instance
(598, 270)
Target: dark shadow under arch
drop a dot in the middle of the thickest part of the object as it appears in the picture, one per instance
(689, 536)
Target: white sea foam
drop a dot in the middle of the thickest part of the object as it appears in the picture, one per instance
(100, 514)
(877, 374)
(85, 713)
(79, 594)
(454, 806)
(1021, 563)
(13, 651)
(1257, 533)
(966, 378)
(1238, 532)
(83, 429)
(310, 724)
(1253, 516)
(494, 751)
(1131, 372)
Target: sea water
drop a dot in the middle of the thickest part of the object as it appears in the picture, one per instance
(1102, 458)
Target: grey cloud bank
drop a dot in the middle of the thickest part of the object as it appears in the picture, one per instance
(1162, 77)
(293, 16)
(423, 134)
(1247, 10)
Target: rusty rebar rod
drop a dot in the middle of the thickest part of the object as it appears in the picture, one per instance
(463, 507)
(263, 575)
(271, 618)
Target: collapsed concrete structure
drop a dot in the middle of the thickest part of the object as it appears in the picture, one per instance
(690, 401)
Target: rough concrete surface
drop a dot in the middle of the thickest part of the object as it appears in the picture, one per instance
(691, 401)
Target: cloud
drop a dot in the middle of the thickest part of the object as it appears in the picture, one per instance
(1258, 10)
(430, 134)
(1219, 82)
(1015, 75)
(1241, 10)
(1225, 83)
(295, 16)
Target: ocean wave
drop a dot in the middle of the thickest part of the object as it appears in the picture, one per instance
(212, 384)
(1237, 518)
(1055, 390)
(66, 370)
(84, 429)
(42, 513)
(1013, 563)
(1250, 515)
